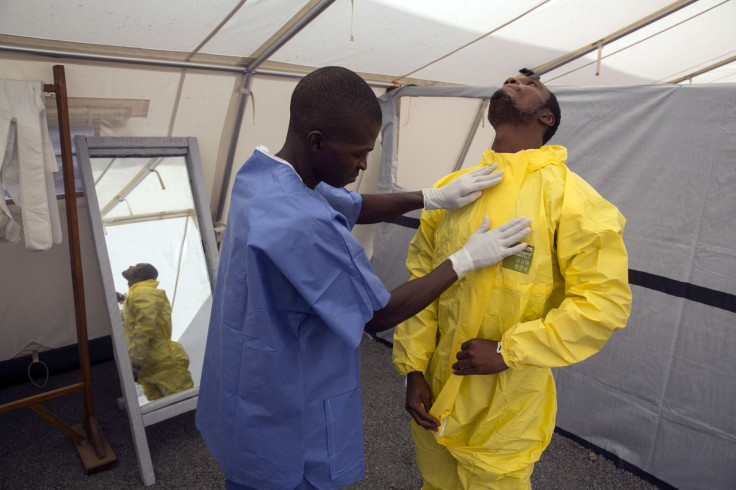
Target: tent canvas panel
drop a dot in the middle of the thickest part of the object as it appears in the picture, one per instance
(136, 24)
(37, 306)
(428, 42)
(435, 147)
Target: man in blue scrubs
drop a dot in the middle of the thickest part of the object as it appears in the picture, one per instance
(279, 402)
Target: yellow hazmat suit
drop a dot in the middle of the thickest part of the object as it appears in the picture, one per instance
(161, 363)
(554, 304)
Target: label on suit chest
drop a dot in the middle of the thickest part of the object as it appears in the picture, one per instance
(521, 262)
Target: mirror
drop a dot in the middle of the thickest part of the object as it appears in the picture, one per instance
(157, 254)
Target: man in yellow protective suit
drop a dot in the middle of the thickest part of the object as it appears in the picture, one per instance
(477, 360)
(160, 365)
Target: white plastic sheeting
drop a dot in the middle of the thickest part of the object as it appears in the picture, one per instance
(660, 395)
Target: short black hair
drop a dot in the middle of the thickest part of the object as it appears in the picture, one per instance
(332, 98)
(147, 271)
(554, 107)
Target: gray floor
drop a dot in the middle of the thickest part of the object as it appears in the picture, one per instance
(35, 455)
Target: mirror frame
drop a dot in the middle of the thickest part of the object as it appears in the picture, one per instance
(141, 147)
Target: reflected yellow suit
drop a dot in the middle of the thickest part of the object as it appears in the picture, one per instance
(162, 363)
(554, 304)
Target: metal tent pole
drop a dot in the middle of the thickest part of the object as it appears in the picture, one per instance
(266, 52)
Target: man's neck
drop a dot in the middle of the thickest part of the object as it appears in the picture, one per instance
(292, 156)
(513, 139)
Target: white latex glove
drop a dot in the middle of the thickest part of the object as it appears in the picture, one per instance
(463, 190)
(485, 248)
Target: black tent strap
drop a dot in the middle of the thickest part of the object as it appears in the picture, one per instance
(699, 294)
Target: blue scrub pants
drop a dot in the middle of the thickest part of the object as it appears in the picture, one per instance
(304, 485)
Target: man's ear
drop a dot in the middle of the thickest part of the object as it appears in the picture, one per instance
(315, 140)
(547, 118)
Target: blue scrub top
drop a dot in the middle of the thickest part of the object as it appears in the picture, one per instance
(279, 398)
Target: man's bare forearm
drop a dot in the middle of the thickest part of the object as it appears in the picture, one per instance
(412, 297)
(383, 207)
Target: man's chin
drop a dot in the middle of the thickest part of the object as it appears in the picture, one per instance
(502, 95)
(503, 110)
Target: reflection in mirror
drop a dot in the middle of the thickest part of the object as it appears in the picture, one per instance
(155, 245)
(159, 364)
(158, 266)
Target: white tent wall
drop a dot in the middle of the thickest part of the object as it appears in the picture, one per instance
(36, 297)
(456, 125)
(205, 109)
(660, 395)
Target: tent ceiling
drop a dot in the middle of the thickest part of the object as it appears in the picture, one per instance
(470, 42)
